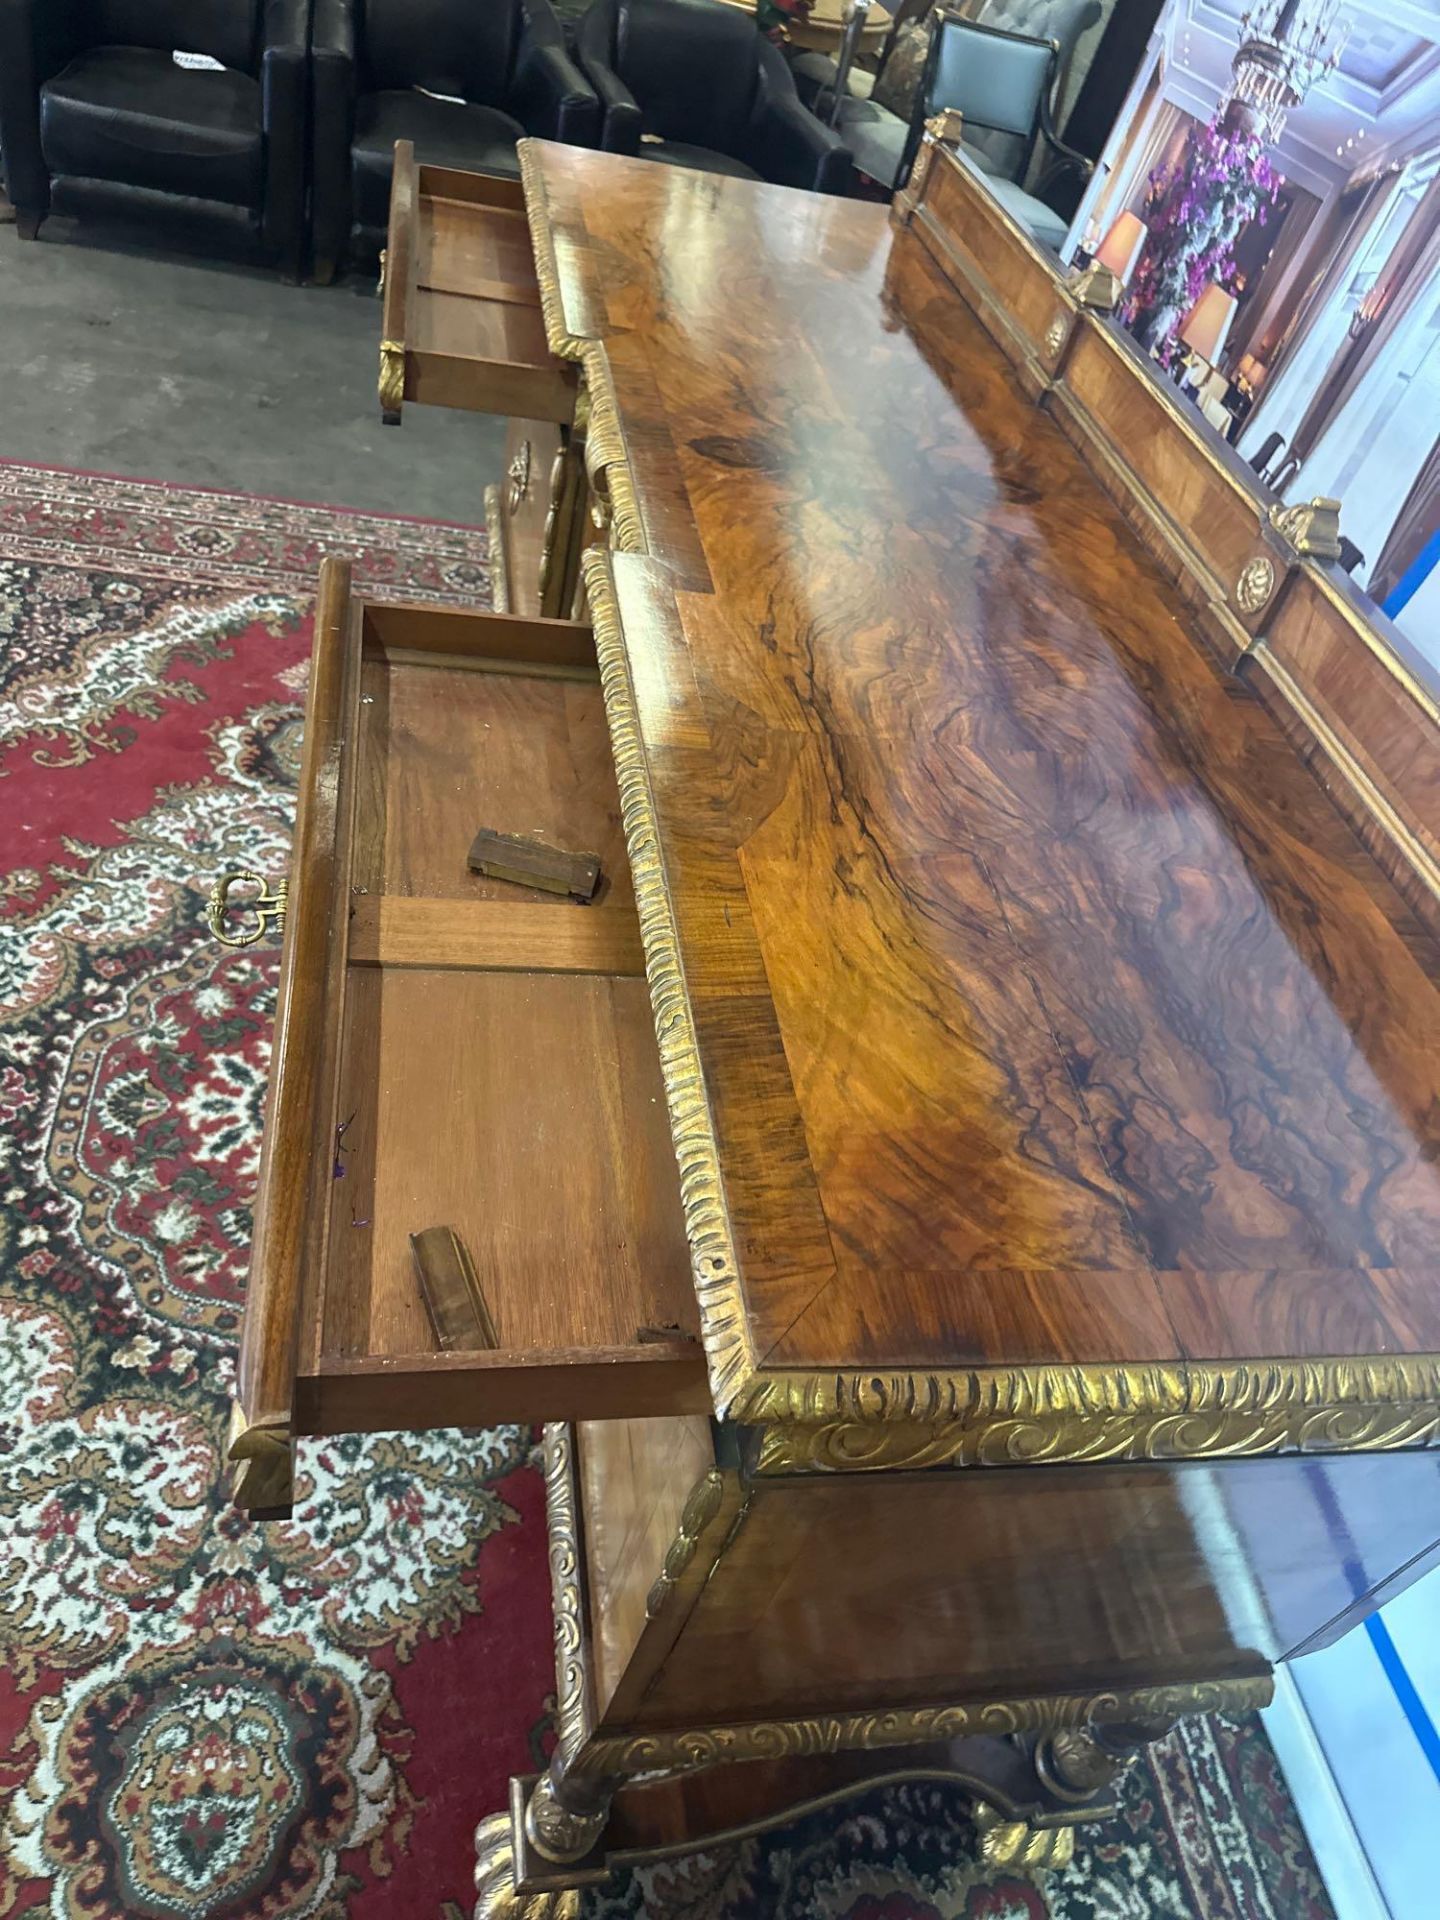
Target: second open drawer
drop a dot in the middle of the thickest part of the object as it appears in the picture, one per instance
(461, 320)
(459, 1051)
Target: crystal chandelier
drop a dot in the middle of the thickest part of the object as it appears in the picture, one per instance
(1285, 47)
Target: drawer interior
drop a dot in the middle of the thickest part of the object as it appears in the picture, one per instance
(443, 750)
(461, 298)
(497, 1069)
(475, 271)
(525, 1110)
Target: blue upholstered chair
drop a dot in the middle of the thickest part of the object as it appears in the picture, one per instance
(1001, 153)
(1063, 21)
(1002, 83)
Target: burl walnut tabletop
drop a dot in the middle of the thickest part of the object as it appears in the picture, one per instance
(1044, 1011)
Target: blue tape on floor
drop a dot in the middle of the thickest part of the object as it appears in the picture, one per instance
(1386, 1651)
(1415, 576)
(1411, 1705)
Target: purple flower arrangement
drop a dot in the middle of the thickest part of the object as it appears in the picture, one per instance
(1196, 211)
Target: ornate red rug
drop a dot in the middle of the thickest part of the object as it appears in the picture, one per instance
(200, 1716)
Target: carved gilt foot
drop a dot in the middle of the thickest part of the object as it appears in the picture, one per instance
(496, 1896)
(1012, 1843)
(1078, 1762)
(558, 1822)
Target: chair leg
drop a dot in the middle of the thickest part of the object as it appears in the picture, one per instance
(322, 270)
(27, 225)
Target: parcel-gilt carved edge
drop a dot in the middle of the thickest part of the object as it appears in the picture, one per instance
(1019, 1416)
(391, 384)
(1015, 1843)
(573, 1713)
(666, 1751)
(496, 1895)
(723, 1325)
(606, 459)
(495, 529)
(700, 1509)
(564, 344)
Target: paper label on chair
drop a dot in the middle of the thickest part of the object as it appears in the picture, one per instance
(198, 60)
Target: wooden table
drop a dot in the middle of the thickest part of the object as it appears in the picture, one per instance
(963, 1312)
(823, 31)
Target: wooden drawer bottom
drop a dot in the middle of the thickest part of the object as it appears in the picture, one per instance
(525, 1110)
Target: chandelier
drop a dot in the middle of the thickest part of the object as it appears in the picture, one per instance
(1285, 47)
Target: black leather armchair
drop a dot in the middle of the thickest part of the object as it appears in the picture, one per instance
(707, 90)
(462, 79)
(98, 119)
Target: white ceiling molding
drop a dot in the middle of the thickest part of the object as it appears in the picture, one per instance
(1386, 90)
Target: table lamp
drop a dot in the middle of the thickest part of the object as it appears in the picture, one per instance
(1205, 326)
(1103, 281)
(1120, 249)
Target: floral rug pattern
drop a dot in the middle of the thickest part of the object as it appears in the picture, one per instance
(205, 1717)
(200, 1715)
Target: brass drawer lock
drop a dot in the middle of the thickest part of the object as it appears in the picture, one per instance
(267, 907)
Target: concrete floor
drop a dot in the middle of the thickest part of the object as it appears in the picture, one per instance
(131, 359)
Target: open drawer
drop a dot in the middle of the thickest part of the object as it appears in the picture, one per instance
(461, 323)
(458, 1051)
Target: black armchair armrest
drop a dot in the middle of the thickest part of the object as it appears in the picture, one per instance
(552, 98)
(785, 142)
(332, 32)
(621, 111)
(332, 94)
(37, 39)
(285, 30)
(283, 73)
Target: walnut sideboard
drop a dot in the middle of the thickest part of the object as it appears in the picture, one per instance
(964, 1197)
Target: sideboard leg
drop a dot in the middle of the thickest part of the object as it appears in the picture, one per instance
(496, 1895)
(1072, 1766)
(1076, 1763)
(566, 1814)
(1015, 1843)
(525, 1858)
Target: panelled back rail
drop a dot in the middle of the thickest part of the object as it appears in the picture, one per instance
(1261, 576)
